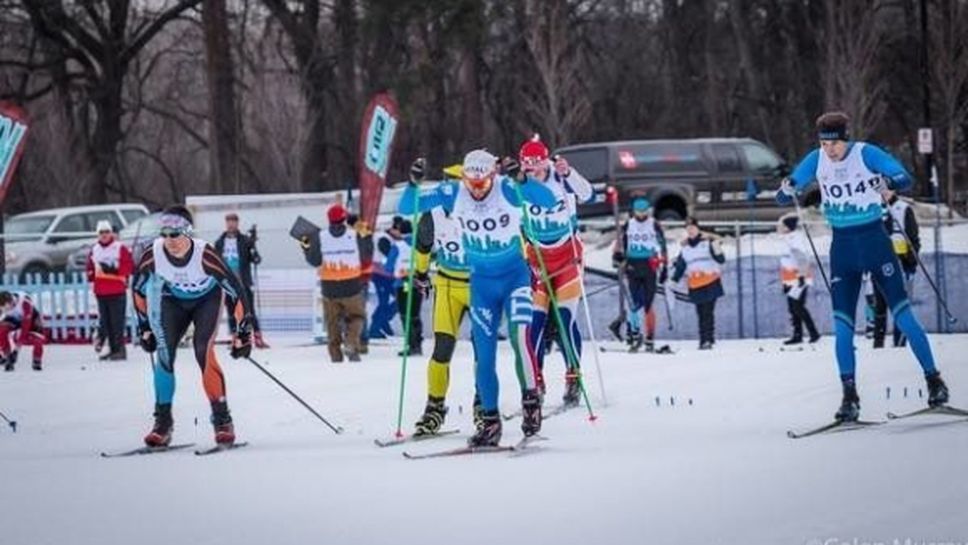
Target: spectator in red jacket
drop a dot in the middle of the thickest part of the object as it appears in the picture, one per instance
(20, 325)
(108, 266)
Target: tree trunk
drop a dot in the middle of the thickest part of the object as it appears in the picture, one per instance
(224, 128)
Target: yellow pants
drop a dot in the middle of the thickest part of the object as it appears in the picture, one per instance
(452, 300)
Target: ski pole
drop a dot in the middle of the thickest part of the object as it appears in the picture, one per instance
(11, 423)
(570, 355)
(336, 429)
(823, 272)
(407, 322)
(588, 322)
(937, 293)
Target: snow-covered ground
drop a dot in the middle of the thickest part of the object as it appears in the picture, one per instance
(718, 470)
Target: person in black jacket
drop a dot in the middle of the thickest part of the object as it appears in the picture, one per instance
(898, 214)
(239, 253)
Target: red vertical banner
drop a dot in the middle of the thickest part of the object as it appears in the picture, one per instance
(13, 138)
(377, 132)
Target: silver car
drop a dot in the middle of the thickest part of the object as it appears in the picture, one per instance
(41, 242)
(137, 236)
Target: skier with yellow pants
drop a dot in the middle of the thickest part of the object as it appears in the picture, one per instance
(438, 238)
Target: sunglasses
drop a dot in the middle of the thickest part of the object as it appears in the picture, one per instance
(171, 233)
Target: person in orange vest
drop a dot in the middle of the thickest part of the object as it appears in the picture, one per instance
(699, 262)
(339, 253)
(796, 276)
(109, 265)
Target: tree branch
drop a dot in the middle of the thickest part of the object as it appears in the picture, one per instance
(144, 36)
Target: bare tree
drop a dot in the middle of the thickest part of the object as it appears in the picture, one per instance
(853, 35)
(556, 95)
(949, 60)
(225, 131)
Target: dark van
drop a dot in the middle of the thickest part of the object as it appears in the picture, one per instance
(713, 178)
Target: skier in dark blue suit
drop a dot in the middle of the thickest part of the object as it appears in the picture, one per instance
(852, 177)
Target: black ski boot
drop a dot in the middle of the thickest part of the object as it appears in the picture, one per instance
(796, 339)
(850, 406)
(937, 390)
(635, 342)
(37, 365)
(649, 345)
(616, 328)
(160, 434)
(7, 364)
(478, 413)
(530, 413)
(432, 419)
(489, 434)
(222, 424)
(572, 391)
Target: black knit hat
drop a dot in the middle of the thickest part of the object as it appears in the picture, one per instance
(406, 227)
(790, 222)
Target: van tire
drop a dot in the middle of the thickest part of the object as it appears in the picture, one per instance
(670, 209)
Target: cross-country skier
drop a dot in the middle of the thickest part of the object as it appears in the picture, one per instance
(554, 233)
(182, 281)
(642, 254)
(796, 276)
(852, 177)
(487, 206)
(438, 239)
(699, 261)
(21, 325)
(902, 226)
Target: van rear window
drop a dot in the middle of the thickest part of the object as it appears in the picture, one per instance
(591, 163)
(658, 157)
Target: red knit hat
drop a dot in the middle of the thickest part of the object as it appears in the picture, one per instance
(533, 152)
(336, 213)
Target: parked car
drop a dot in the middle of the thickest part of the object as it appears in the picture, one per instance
(41, 242)
(712, 178)
(137, 236)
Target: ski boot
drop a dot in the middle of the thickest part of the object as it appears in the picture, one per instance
(7, 364)
(616, 328)
(814, 337)
(796, 339)
(432, 419)
(572, 390)
(635, 342)
(706, 345)
(850, 406)
(37, 366)
(160, 434)
(937, 390)
(530, 413)
(478, 413)
(222, 424)
(649, 345)
(489, 434)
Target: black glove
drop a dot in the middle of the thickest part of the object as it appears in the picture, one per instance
(421, 282)
(617, 259)
(108, 269)
(417, 170)
(663, 274)
(146, 338)
(242, 343)
(512, 168)
(801, 281)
